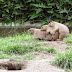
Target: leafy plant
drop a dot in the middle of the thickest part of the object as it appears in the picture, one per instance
(28, 56)
(69, 39)
(50, 50)
(35, 11)
(64, 60)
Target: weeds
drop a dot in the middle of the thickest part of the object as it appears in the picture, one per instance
(50, 50)
(18, 46)
(69, 39)
(64, 60)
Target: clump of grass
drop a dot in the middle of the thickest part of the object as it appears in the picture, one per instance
(15, 48)
(64, 60)
(51, 50)
(27, 56)
(69, 39)
(19, 44)
(38, 47)
(4, 56)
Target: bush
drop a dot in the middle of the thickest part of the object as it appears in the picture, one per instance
(64, 60)
(35, 11)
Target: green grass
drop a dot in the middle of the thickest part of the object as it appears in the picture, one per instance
(64, 60)
(4, 56)
(69, 39)
(19, 46)
(27, 56)
(51, 50)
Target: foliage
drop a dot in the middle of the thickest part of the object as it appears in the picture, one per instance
(28, 56)
(19, 47)
(18, 44)
(69, 39)
(35, 11)
(64, 60)
(4, 56)
(50, 50)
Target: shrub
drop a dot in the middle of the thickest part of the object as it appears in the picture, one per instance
(64, 60)
(35, 11)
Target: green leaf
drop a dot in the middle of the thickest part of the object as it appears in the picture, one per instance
(57, 20)
(58, 15)
(70, 24)
(33, 16)
(29, 1)
(52, 4)
(70, 2)
(18, 6)
(1, 0)
(38, 10)
(47, 19)
(15, 12)
(64, 11)
(16, 0)
(39, 5)
(3, 15)
(7, 10)
(70, 17)
(50, 11)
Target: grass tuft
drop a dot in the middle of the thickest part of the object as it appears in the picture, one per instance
(69, 39)
(19, 46)
(64, 60)
(51, 50)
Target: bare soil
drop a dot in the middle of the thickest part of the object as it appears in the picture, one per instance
(42, 62)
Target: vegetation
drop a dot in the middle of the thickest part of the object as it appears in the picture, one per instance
(64, 60)
(17, 46)
(69, 39)
(21, 47)
(35, 11)
(51, 50)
